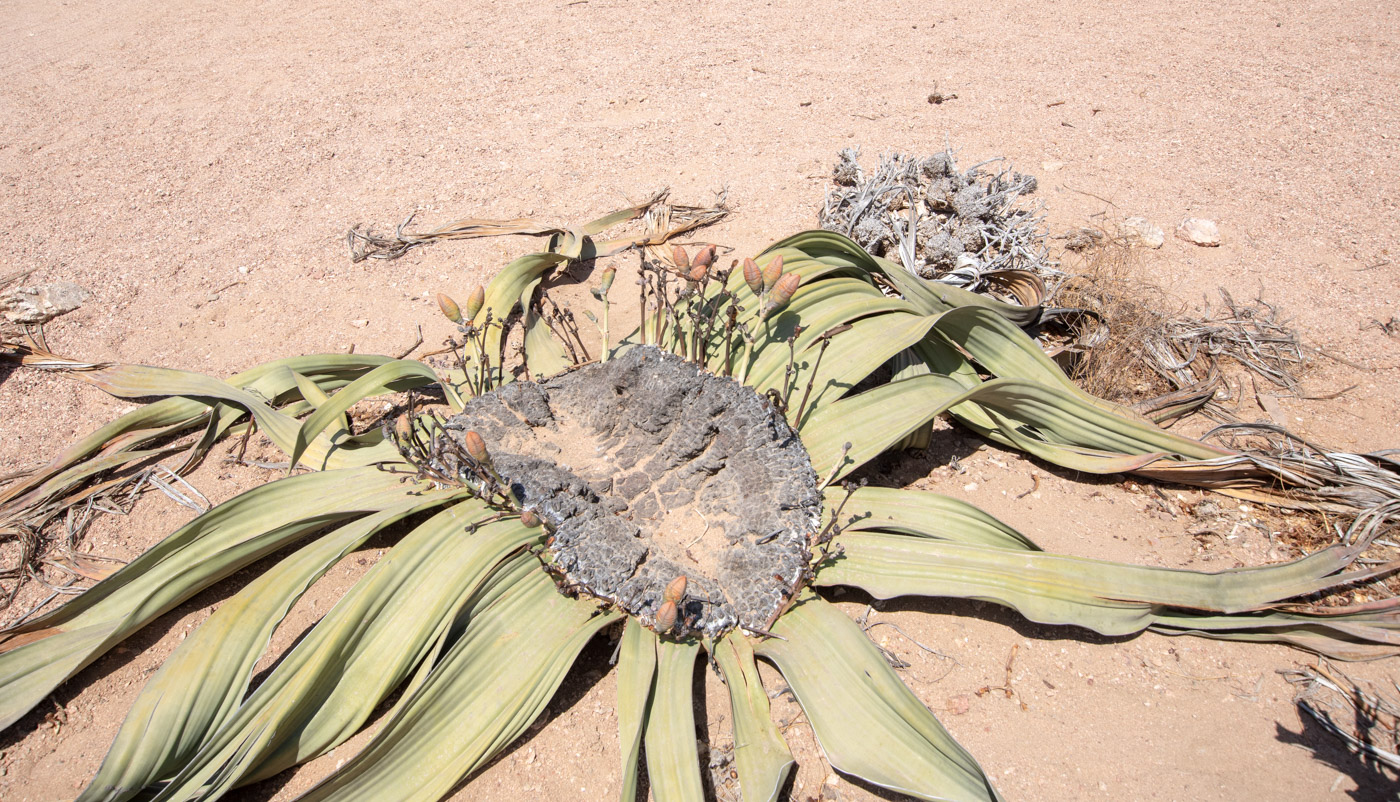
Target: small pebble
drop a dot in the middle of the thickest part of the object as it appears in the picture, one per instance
(1199, 231)
(1141, 231)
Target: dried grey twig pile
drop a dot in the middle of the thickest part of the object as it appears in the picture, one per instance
(940, 222)
(1369, 723)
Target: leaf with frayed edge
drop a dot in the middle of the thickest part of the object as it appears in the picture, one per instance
(636, 673)
(490, 686)
(867, 721)
(760, 752)
(39, 655)
(1109, 598)
(673, 761)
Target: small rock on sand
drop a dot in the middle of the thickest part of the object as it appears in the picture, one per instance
(1199, 231)
(1141, 231)
(36, 305)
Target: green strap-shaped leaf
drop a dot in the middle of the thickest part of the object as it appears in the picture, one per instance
(673, 761)
(1034, 440)
(1349, 636)
(880, 418)
(505, 290)
(923, 514)
(490, 686)
(759, 749)
(875, 420)
(178, 412)
(636, 673)
(170, 416)
(136, 381)
(310, 391)
(327, 687)
(867, 721)
(204, 680)
(544, 355)
(1109, 598)
(198, 554)
(1072, 420)
(851, 356)
(392, 377)
(817, 309)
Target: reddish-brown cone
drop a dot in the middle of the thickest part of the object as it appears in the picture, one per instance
(753, 276)
(786, 286)
(680, 257)
(676, 590)
(666, 617)
(449, 308)
(705, 257)
(476, 447)
(475, 301)
(772, 273)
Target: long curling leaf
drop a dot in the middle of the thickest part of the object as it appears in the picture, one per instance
(137, 381)
(1353, 636)
(817, 309)
(851, 356)
(875, 420)
(922, 514)
(1109, 598)
(489, 687)
(112, 444)
(505, 290)
(866, 720)
(404, 374)
(673, 762)
(544, 355)
(636, 673)
(205, 679)
(931, 297)
(46, 651)
(170, 412)
(324, 690)
(760, 752)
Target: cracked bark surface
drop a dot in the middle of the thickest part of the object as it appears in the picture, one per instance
(648, 468)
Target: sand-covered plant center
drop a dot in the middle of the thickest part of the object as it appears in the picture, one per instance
(647, 468)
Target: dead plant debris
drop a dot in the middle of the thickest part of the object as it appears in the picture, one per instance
(1366, 719)
(661, 220)
(941, 222)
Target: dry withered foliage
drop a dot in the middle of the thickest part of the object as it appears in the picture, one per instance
(1120, 314)
(1366, 719)
(1129, 343)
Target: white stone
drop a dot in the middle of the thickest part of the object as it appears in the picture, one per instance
(1141, 231)
(40, 304)
(1199, 231)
